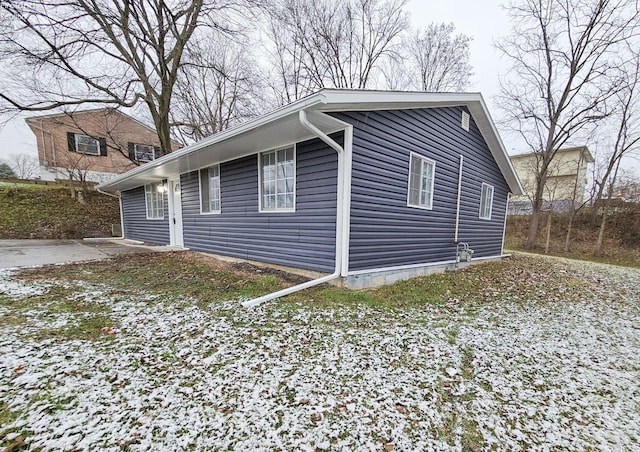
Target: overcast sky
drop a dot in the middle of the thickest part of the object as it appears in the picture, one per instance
(484, 20)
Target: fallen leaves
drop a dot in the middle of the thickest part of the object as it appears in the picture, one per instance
(177, 375)
(107, 330)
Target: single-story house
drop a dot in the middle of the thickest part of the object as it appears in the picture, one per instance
(367, 186)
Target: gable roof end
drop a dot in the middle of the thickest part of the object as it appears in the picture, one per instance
(282, 127)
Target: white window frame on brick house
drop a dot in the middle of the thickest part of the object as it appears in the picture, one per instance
(277, 180)
(142, 150)
(420, 184)
(486, 201)
(84, 148)
(154, 201)
(210, 195)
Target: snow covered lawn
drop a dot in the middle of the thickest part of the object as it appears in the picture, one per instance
(530, 363)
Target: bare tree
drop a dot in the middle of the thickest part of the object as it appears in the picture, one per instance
(25, 166)
(331, 43)
(217, 88)
(439, 59)
(287, 80)
(563, 56)
(627, 139)
(115, 52)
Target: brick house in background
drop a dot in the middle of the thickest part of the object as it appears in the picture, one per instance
(92, 145)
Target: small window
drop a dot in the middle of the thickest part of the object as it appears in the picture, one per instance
(154, 199)
(486, 201)
(421, 176)
(210, 189)
(87, 145)
(277, 180)
(144, 152)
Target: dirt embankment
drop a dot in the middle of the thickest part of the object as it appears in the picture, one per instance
(49, 212)
(621, 243)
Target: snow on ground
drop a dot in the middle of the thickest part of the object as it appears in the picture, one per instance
(509, 375)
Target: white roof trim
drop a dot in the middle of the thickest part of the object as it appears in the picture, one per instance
(220, 147)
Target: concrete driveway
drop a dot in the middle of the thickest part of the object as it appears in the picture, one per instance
(28, 253)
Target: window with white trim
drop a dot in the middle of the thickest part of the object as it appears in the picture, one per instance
(421, 177)
(210, 189)
(87, 145)
(144, 152)
(486, 201)
(278, 180)
(154, 199)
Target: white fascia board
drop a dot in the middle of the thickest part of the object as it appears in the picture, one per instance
(365, 99)
(282, 112)
(487, 128)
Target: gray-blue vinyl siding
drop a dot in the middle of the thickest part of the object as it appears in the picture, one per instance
(385, 232)
(303, 239)
(136, 224)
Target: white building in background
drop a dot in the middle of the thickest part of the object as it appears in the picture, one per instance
(566, 181)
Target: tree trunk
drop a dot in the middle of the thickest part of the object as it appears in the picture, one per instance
(532, 234)
(548, 239)
(603, 224)
(605, 210)
(537, 202)
(72, 187)
(567, 239)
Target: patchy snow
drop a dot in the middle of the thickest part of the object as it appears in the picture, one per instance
(509, 375)
(15, 288)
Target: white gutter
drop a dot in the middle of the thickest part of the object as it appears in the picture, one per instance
(455, 235)
(341, 216)
(306, 102)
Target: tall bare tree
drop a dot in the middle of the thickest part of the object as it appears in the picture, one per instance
(332, 43)
(61, 53)
(439, 58)
(563, 58)
(218, 87)
(627, 138)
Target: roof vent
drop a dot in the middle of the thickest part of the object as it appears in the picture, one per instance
(465, 121)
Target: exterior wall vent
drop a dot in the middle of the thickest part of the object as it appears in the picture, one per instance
(465, 121)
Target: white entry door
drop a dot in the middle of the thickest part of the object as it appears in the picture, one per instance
(175, 213)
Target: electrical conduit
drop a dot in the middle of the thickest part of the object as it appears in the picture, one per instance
(455, 234)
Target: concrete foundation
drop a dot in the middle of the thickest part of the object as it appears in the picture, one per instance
(390, 276)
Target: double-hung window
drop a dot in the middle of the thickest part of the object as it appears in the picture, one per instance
(144, 152)
(86, 144)
(154, 199)
(210, 189)
(486, 201)
(278, 180)
(421, 177)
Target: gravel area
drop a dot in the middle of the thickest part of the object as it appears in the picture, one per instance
(512, 373)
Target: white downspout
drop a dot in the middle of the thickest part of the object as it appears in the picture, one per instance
(340, 220)
(455, 235)
(121, 216)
